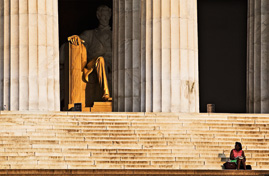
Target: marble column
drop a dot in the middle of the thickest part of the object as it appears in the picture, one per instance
(29, 55)
(257, 57)
(155, 56)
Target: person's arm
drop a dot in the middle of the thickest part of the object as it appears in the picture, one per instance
(243, 154)
(232, 155)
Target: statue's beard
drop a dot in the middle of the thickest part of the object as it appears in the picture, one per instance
(104, 27)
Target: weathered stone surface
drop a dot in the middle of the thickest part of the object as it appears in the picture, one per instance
(29, 143)
(257, 57)
(30, 56)
(131, 171)
(155, 56)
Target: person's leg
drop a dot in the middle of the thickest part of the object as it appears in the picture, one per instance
(238, 163)
(244, 164)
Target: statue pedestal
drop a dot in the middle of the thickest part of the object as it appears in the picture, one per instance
(102, 107)
(97, 107)
(84, 109)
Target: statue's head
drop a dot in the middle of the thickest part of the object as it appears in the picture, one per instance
(103, 14)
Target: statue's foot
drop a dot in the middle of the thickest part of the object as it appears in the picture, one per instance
(105, 97)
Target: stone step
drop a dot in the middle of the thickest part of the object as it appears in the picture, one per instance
(59, 138)
(221, 163)
(230, 140)
(81, 166)
(222, 131)
(193, 156)
(143, 167)
(263, 167)
(144, 154)
(231, 118)
(26, 142)
(82, 136)
(245, 121)
(20, 149)
(124, 119)
(125, 172)
(236, 128)
(58, 128)
(38, 166)
(205, 167)
(102, 158)
(264, 121)
(213, 147)
(136, 137)
(130, 141)
(252, 132)
(264, 155)
(107, 119)
(5, 154)
(160, 119)
(255, 136)
(67, 132)
(132, 123)
(255, 140)
(4, 166)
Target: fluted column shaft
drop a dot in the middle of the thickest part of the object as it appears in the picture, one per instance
(155, 61)
(258, 58)
(29, 65)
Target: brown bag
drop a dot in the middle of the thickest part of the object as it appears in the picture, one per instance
(229, 165)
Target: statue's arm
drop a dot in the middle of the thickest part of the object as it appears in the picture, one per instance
(87, 37)
(83, 57)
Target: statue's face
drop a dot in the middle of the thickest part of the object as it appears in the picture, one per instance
(104, 16)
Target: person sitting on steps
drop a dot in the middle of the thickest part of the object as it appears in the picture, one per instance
(237, 155)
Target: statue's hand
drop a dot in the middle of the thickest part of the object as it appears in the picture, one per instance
(75, 40)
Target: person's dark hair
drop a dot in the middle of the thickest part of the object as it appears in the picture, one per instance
(239, 144)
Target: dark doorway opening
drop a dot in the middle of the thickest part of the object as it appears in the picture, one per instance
(222, 33)
(76, 16)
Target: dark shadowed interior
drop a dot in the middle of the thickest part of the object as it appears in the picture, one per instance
(222, 54)
(75, 16)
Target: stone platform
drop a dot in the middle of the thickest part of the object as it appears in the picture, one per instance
(102, 107)
(124, 141)
(116, 172)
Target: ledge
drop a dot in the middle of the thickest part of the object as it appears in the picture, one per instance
(103, 172)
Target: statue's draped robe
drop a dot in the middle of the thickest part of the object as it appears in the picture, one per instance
(77, 62)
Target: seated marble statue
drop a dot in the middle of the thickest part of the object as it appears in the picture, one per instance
(98, 43)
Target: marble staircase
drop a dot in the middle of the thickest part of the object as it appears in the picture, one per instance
(165, 141)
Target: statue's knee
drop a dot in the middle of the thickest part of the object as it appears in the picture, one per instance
(101, 59)
(100, 62)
